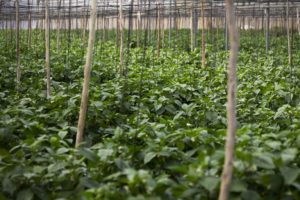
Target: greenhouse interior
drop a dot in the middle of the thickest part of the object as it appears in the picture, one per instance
(149, 99)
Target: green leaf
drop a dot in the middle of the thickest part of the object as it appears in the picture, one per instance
(288, 155)
(250, 195)
(210, 183)
(289, 174)
(149, 156)
(90, 155)
(8, 186)
(25, 195)
(105, 153)
(56, 167)
(263, 160)
(89, 183)
(238, 186)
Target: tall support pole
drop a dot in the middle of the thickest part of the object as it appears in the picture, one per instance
(138, 28)
(158, 32)
(29, 24)
(18, 45)
(288, 32)
(58, 27)
(192, 28)
(84, 26)
(226, 33)
(170, 23)
(268, 28)
(87, 76)
(231, 104)
(298, 21)
(122, 38)
(203, 36)
(47, 36)
(6, 31)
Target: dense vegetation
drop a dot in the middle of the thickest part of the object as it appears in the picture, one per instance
(159, 132)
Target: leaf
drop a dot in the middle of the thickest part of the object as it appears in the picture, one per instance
(288, 155)
(25, 195)
(289, 174)
(210, 183)
(62, 150)
(89, 183)
(149, 156)
(263, 160)
(238, 186)
(90, 155)
(118, 132)
(281, 111)
(62, 134)
(8, 186)
(250, 195)
(105, 153)
(56, 167)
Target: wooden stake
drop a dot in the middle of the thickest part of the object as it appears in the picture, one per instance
(47, 36)
(29, 25)
(122, 37)
(288, 32)
(84, 27)
(87, 76)
(18, 45)
(138, 27)
(192, 29)
(58, 27)
(231, 105)
(203, 37)
(298, 21)
(158, 36)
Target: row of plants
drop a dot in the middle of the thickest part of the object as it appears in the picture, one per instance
(157, 133)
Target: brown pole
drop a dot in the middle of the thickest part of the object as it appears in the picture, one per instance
(18, 45)
(87, 76)
(29, 25)
(58, 27)
(122, 38)
(203, 37)
(231, 105)
(47, 36)
(192, 29)
(288, 32)
(158, 37)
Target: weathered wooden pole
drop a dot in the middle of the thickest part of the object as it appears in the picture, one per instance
(138, 28)
(231, 104)
(18, 45)
(29, 24)
(58, 27)
(268, 28)
(203, 36)
(226, 33)
(192, 28)
(298, 21)
(122, 37)
(158, 33)
(87, 76)
(288, 32)
(84, 26)
(47, 37)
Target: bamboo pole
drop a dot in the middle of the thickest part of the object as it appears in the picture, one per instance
(158, 36)
(29, 25)
(138, 27)
(122, 37)
(203, 36)
(288, 32)
(87, 76)
(18, 45)
(231, 105)
(47, 36)
(192, 29)
(58, 27)
(298, 21)
(84, 27)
